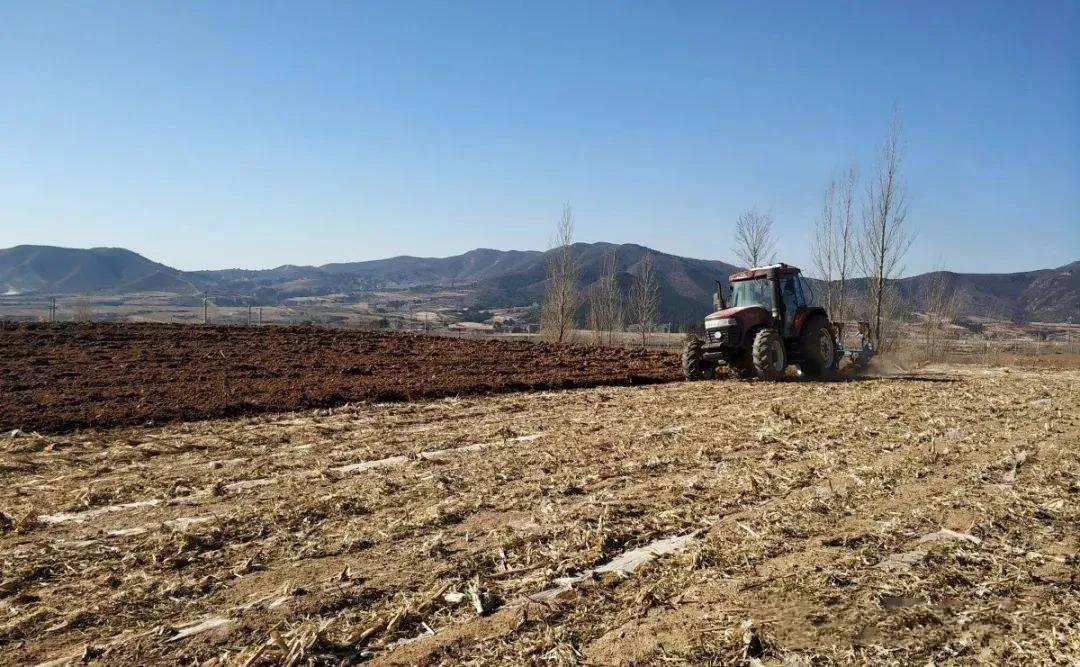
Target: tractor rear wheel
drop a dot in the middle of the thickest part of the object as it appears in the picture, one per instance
(693, 361)
(818, 348)
(769, 355)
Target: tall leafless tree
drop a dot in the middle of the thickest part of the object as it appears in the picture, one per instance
(847, 235)
(754, 242)
(885, 237)
(605, 300)
(644, 302)
(561, 298)
(823, 247)
(84, 308)
(832, 245)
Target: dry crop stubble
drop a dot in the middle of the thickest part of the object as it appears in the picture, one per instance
(899, 519)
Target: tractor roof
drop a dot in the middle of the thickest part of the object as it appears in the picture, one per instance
(763, 271)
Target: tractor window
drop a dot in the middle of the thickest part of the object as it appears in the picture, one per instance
(789, 294)
(752, 293)
(807, 297)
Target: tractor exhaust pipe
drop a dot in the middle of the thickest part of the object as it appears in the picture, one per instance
(777, 298)
(718, 298)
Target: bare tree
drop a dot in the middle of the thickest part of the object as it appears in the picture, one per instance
(84, 308)
(644, 299)
(605, 300)
(860, 306)
(823, 248)
(831, 247)
(846, 236)
(754, 242)
(941, 303)
(885, 238)
(561, 298)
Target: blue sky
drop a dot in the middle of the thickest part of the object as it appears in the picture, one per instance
(234, 134)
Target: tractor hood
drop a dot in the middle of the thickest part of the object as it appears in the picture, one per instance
(746, 316)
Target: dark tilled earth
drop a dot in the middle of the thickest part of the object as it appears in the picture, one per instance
(57, 378)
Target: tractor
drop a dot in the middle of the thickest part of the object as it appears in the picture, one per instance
(768, 325)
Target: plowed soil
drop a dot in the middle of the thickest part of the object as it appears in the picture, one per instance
(930, 519)
(56, 378)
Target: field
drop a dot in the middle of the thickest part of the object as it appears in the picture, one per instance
(62, 377)
(879, 520)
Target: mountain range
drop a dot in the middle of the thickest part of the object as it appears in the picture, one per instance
(492, 277)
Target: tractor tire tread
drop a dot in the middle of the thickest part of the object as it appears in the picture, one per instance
(761, 354)
(692, 363)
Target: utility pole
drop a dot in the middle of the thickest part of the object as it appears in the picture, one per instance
(52, 309)
(249, 313)
(205, 298)
(260, 316)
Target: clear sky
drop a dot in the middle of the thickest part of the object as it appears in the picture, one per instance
(252, 134)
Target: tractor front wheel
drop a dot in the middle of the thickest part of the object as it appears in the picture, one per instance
(769, 355)
(693, 361)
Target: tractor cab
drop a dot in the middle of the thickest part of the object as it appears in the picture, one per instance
(780, 290)
(768, 324)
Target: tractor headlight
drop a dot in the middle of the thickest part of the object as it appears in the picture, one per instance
(719, 323)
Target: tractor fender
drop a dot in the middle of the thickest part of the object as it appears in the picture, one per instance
(747, 341)
(804, 315)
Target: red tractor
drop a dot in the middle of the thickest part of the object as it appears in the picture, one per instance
(768, 325)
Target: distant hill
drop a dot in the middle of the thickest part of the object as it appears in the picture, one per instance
(28, 268)
(479, 264)
(491, 278)
(1048, 295)
(686, 285)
